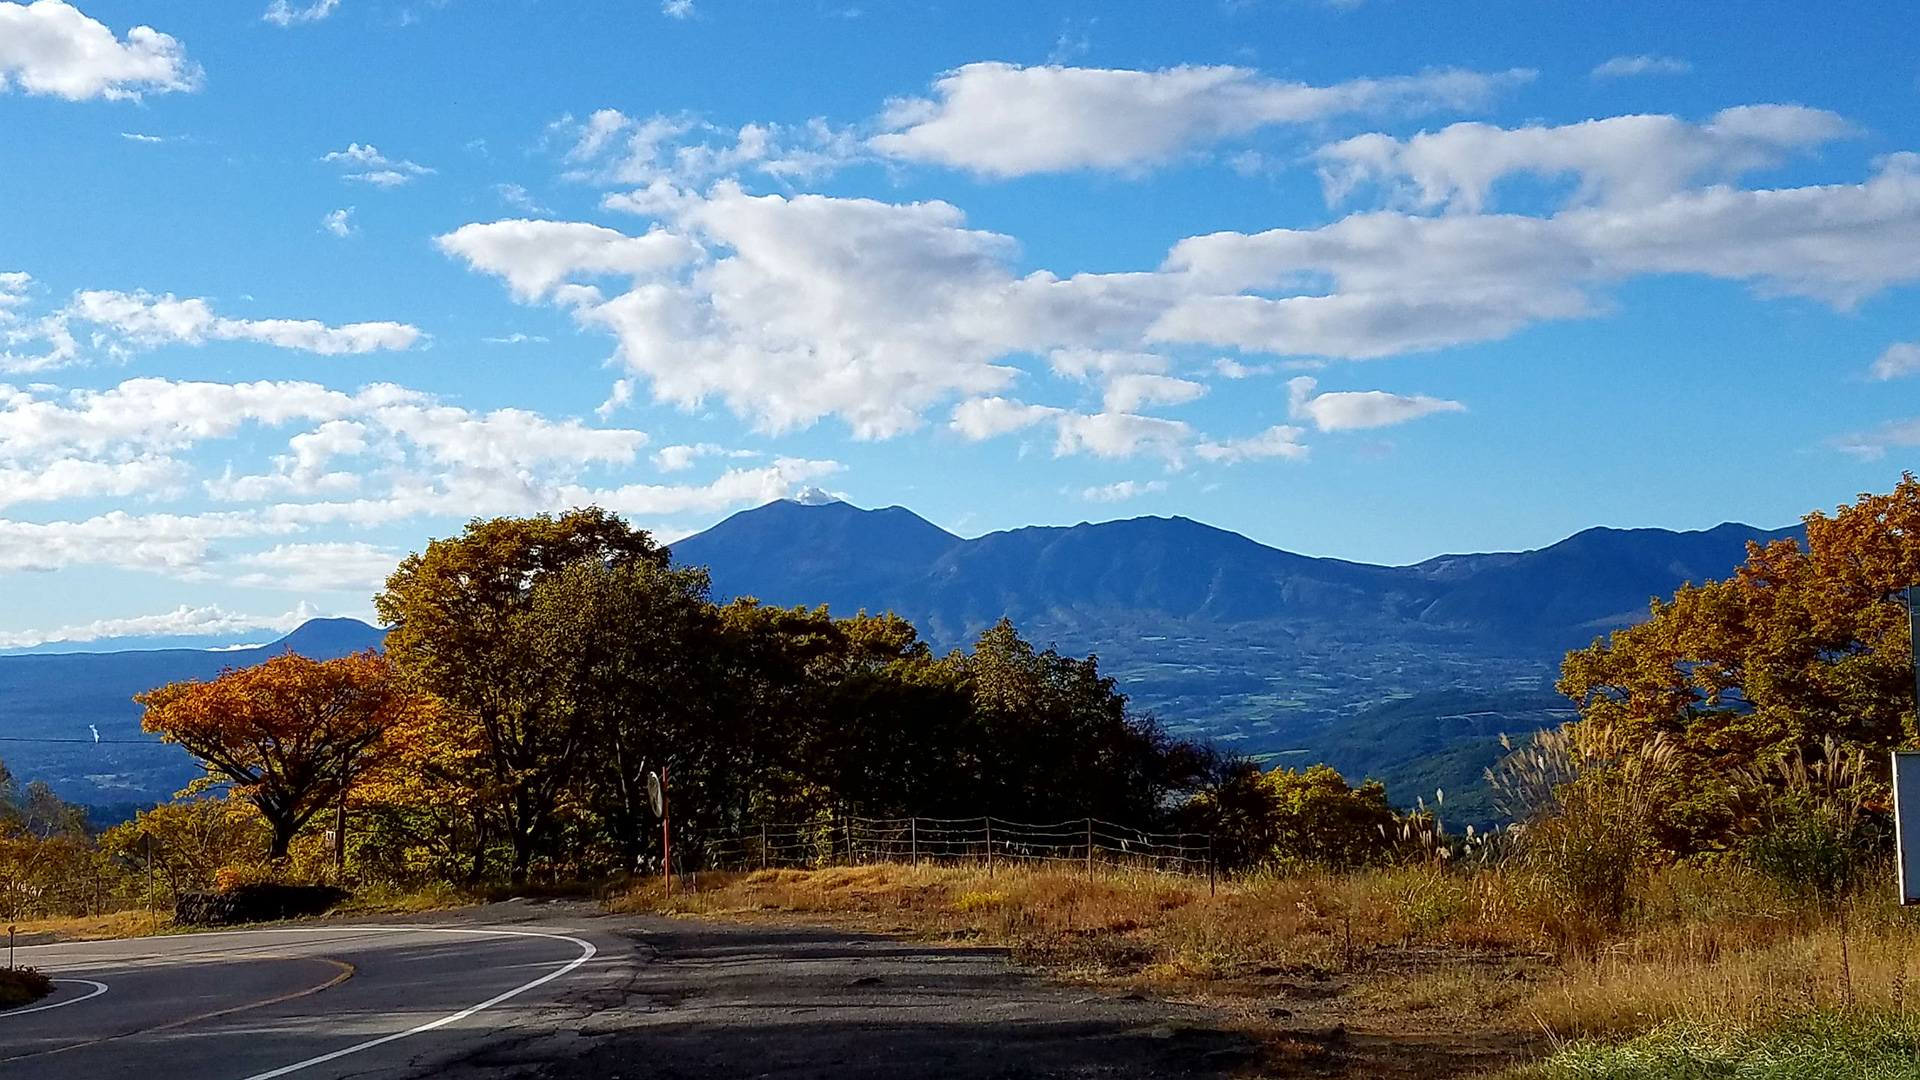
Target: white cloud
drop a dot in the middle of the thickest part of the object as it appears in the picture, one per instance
(535, 257)
(677, 9)
(1900, 358)
(1619, 159)
(365, 163)
(1380, 283)
(1125, 489)
(666, 156)
(1873, 445)
(1352, 410)
(985, 418)
(339, 222)
(316, 567)
(281, 13)
(519, 198)
(1627, 66)
(143, 320)
(164, 543)
(788, 309)
(681, 458)
(1127, 393)
(1120, 435)
(156, 416)
(183, 621)
(72, 478)
(1005, 120)
(50, 47)
(1279, 441)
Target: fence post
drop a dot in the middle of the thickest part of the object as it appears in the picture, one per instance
(851, 861)
(989, 822)
(1089, 845)
(913, 839)
(1210, 882)
(763, 845)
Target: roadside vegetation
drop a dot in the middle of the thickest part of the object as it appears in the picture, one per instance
(1697, 870)
(22, 986)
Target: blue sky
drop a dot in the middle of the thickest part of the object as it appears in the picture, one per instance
(287, 290)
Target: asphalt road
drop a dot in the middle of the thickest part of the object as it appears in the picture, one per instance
(557, 991)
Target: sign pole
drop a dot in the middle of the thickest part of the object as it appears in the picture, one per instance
(1906, 779)
(1913, 637)
(666, 834)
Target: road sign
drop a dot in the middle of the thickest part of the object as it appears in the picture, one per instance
(656, 797)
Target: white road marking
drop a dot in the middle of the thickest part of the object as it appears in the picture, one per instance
(98, 989)
(587, 952)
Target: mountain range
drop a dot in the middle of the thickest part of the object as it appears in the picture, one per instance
(1405, 673)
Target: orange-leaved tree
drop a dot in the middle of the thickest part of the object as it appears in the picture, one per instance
(1802, 648)
(291, 735)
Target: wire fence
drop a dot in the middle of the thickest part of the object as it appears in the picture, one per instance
(1088, 842)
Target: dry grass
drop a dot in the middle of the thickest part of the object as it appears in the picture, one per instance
(117, 924)
(1388, 948)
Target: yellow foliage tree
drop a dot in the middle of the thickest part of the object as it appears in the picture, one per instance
(291, 735)
(1801, 646)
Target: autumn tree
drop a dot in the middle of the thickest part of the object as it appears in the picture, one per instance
(1804, 644)
(1312, 817)
(469, 628)
(291, 735)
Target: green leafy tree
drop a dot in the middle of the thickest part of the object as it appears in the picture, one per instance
(467, 628)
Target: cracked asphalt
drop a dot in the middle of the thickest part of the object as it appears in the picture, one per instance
(555, 991)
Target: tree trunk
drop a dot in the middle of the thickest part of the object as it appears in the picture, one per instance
(283, 830)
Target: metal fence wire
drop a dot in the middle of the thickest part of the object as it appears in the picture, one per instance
(1089, 842)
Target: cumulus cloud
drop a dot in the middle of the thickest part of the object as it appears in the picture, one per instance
(339, 222)
(1120, 435)
(535, 257)
(677, 9)
(987, 417)
(51, 47)
(281, 13)
(316, 567)
(1352, 410)
(117, 324)
(163, 543)
(78, 478)
(1619, 159)
(1005, 120)
(1279, 441)
(1900, 358)
(1380, 283)
(135, 320)
(680, 458)
(365, 163)
(791, 309)
(183, 621)
(1621, 67)
(1128, 393)
(664, 155)
(788, 309)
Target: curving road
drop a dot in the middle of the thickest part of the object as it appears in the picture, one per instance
(558, 991)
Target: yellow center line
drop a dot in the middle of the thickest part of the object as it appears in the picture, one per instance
(346, 972)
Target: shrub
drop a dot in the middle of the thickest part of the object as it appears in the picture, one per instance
(1586, 800)
(19, 986)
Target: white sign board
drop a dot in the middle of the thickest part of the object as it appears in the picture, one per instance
(1906, 821)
